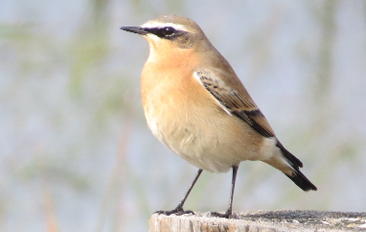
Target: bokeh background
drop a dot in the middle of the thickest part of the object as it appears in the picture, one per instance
(75, 151)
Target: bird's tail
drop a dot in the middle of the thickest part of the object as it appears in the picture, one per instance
(297, 176)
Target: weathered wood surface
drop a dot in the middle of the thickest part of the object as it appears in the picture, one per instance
(260, 221)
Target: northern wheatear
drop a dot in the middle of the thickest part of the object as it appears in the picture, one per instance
(196, 105)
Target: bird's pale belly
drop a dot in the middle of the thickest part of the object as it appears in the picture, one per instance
(208, 141)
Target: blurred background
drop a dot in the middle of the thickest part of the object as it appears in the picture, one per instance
(75, 151)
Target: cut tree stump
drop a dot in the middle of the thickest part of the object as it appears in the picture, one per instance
(258, 221)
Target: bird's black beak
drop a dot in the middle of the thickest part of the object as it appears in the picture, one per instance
(137, 30)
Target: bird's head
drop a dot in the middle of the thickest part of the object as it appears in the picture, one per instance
(171, 33)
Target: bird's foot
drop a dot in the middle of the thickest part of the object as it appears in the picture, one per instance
(227, 214)
(177, 211)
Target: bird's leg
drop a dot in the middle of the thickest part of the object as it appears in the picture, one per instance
(229, 211)
(179, 209)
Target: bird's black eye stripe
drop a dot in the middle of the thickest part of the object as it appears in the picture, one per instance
(168, 31)
(163, 32)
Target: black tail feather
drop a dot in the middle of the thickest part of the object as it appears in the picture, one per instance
(302, 181)
(297, 177)
(295, 162)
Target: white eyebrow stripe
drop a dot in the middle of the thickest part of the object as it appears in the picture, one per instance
(158, 24)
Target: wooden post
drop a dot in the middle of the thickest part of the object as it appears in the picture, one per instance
(260, 221)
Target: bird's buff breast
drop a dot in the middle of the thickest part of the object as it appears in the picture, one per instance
(185, 135)
(195, 127)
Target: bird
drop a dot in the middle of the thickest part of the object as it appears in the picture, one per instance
(196, 105)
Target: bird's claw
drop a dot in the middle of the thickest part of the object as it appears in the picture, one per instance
(177, 211)
(227, 214)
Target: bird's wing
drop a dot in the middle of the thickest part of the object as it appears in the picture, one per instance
(235, 100)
